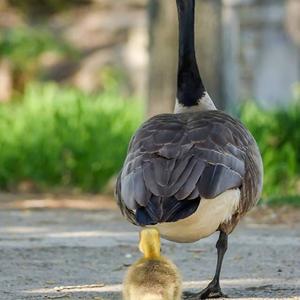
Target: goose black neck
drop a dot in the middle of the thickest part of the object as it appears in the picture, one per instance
(189, 84)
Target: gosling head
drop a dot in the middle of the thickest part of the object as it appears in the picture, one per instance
(150, 243)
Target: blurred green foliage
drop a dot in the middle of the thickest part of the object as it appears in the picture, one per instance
(278, 136)
(287, 200)
(24, 46)
(61, 137)
(43, 8)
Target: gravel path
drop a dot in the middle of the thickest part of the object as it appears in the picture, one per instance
(75, 254)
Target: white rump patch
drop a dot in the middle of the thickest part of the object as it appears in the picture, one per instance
(205, 103)
(210, 214)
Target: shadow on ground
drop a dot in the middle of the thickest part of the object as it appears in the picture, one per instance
(76, 254)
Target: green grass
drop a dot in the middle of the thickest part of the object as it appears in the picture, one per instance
(278, 136)
(62, 138)
(284, 200)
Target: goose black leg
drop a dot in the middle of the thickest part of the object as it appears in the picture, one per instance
(213, 290)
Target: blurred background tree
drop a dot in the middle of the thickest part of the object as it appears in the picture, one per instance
(75, 77)
(36, 10)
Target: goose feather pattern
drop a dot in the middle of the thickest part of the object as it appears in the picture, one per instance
(174, 160)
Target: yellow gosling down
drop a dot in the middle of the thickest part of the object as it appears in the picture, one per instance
(152, 277)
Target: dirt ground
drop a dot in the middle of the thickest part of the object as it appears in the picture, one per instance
(82, 250)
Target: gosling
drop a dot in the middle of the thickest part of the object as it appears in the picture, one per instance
(152, 277)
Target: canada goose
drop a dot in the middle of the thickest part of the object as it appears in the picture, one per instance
(153, 277)
(193, 172)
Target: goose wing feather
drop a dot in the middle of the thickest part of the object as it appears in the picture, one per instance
(188, 156)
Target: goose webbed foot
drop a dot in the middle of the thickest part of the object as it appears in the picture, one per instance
(212, 291)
